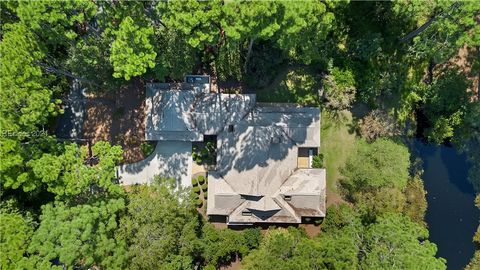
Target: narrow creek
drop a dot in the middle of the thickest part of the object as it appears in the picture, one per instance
(451, 216)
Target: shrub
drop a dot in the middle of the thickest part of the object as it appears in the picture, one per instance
(378, 124)
(196, 189)
(147, 148)
(205, 187)
(199, 202)
(339, 89)
(201, 179)
(383, 163)
(205, 195)
(317, 161)
(194, 182)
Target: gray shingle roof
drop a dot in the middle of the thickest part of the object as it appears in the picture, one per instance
(256, 161)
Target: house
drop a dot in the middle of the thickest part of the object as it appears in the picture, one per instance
(264, 152)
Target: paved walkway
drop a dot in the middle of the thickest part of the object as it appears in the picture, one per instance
(170, 158)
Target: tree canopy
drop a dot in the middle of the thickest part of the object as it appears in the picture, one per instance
(401, 69)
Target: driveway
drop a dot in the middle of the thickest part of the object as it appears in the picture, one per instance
(170, 159)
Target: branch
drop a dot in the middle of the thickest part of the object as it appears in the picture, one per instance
(64, 73)
(422, 28)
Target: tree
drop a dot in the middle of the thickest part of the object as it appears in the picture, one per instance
(199, 21)
(15, 235)
(445, 105)
(277, 251)
(416, 203)
(220, 247)
(81, 236)
(160, 227)
(377, 124)
(55, 23)
(247, 22)
(338, 89)
(176, 57)
(380, 201)
(449, 27)
(383, 163)
(291, 249)
(132, 52)
(75, 175)
(394, 242)
(26, 102)
(304, 29)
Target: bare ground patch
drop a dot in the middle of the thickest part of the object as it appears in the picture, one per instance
(119, 118)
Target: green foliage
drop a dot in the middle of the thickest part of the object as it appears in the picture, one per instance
(291, 249)
(176, 57)
(15, 236)
(377, 202)
(197, 20)
(394, 242)
(132, 52)
(79, 236)
(26, 102)
(222, 246)
(454, 27)
(303, 30)
(194, 182)
(445, 105)
(160, 227)
(475, 262)
(297, 86)
(339, 89)
(383, 163)
(205, 187)
(205, 153)
(265, 64)
(201, 179)
(55, 21)
(416, 203)
(317, 161)
(147, 148)
(357, 45)
(69, 177)
(378, 124)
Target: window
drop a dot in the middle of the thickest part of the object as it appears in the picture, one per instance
(246, 213)
(287, 198)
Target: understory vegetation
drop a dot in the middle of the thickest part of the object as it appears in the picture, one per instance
(382, 72)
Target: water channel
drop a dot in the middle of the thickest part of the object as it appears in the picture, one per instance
(451, 216)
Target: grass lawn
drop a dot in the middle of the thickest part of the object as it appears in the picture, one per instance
(337, 141)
